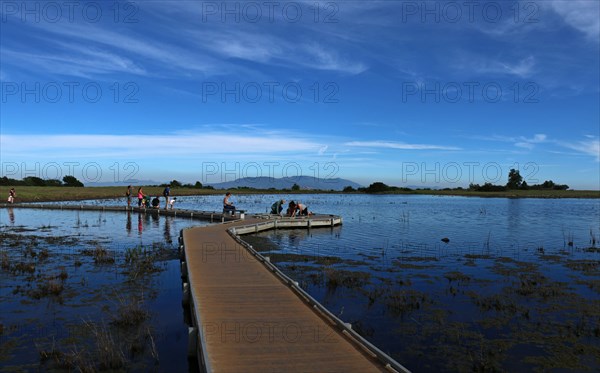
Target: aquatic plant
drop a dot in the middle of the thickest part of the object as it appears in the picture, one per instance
(140, 262)
(456, 276)
(568, 238)
(109, 354)
(100, 255)
(63, 275)
(486, 244)
(403, 301)
(4, 261)
(130, 312)
(47, 287)
(349, 279)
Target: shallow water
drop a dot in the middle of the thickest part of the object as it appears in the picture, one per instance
(70, 325)
(516, 287)
(417, 220)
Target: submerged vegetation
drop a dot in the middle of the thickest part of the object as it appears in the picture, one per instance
(465, 311)
(114, 329)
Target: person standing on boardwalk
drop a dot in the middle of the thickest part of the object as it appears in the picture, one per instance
(166, 194)
(128, 194)
(228, 206)
(141, 196)
(12, 194)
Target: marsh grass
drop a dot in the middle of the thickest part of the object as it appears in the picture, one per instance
(456, 276)
(38, 271)
(42, 194)
(130, 312)
(142, 261)
(100, 255)
(350, 279)
(4, 261)
(404, 301)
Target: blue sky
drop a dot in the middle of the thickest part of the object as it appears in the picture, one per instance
(436, 94)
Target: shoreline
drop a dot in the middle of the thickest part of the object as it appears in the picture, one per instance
(27, 194)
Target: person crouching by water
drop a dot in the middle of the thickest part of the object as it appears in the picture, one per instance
(146, 201)
(12, 194)
(291, 208)
(155, 203)
(277, 207)
(228, 206)
(301, 210)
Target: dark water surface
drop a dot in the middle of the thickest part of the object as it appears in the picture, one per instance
(516, 287)
(73, 328)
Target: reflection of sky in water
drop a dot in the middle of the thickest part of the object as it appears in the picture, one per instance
(419, 222)
(117, 228)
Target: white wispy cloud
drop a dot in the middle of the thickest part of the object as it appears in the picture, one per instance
(398, 145)
(522, 68)
(84, 62)
(529, 143)
(121, 47)
(269, 49)
(583, 15)
(172, 145)
(588, 147)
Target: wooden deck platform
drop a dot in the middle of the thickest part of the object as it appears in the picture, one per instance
(250, 317)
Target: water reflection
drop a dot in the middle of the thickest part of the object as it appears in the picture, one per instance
(11, 215)
(513, 217)
(140, 225)
(167, 229)
(128, 223)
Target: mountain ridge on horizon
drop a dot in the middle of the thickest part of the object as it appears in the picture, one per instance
(260, 182)
(304, 182)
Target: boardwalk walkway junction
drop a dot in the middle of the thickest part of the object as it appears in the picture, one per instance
(247, 315)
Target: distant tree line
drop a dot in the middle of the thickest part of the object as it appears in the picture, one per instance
(67, 181)
(515, 182)
(196, 185)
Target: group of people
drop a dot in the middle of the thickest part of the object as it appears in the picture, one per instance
(294, 208)
(147, 202)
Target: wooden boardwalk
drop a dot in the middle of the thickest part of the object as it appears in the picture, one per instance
(249, 317)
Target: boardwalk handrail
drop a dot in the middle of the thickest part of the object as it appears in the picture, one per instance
(345, 328)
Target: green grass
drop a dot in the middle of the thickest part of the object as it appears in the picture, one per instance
(45, 194)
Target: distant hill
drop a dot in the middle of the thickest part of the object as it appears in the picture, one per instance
(305, 183)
